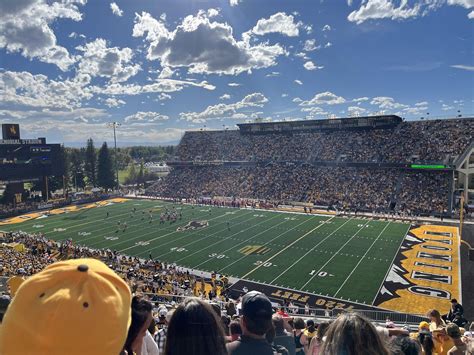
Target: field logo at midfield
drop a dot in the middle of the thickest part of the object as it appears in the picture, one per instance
(425, 273)
(254, 250)
(193, 225)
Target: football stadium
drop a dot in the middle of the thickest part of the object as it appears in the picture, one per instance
(328, 225)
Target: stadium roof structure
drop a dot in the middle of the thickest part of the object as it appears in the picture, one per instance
(326, 124)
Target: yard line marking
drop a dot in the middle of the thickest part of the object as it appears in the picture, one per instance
(362, 258)
(289, 245)
(310, 250)
(390, 266)
(332, 257)
(159, 237)
(246, 241)
(205, 235)
(223, 240)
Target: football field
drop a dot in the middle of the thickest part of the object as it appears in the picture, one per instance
(344, 258)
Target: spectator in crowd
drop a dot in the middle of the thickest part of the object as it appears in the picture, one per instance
(424, 337)
(454, 333)
(256, 321)
(71, 307)
(309, 333)
(353, 334)
(436, 322)
(317, 341)
(195, 329)
(4, 303)
(298, 334)
(270, 337)
(403, 345)
(139, 340)
(235, 330)
(160, 335)
(282, 337)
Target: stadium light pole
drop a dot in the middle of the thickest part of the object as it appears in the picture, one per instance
(114, 125)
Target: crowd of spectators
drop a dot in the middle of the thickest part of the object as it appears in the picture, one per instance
(434, 141)
(83, 306)
(362, 189)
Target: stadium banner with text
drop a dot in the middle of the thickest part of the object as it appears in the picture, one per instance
(425, 273)
(282, 295)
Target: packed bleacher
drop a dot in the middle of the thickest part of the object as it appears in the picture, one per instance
(356, 169)
(434, 141)
(84, 306)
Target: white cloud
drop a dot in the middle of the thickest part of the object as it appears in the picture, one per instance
(308, 29)
(113, 63)
(203, 46)
(234, 2)
(311, 66)
(149, 116)
(327, 45)
(234, 84)
(164, 96)
(284, 95)
(116, 9)
(464, 3)
(314, 111)
(224, 97)
(297, 99)
(324, 98)
(299, 82)
(463, 67)
(27, 90)
(326, 28)
(310, 45)
(25, 28)
(277, 23)
(387, 103)
(361, 99)
(422, 103)
(166, 73)
(272, 74)
(113, 102)
(221, 110)
(379, 9)
(356, 111)
(471, 15)
(445, 107)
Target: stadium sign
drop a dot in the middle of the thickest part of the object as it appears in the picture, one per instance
(21, 141)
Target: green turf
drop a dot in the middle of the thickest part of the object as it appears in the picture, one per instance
(339, 257)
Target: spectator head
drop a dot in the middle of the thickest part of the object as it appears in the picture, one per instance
(298, 323)
(426, 340)
(424, 326)
(257, 313)
(77, 306)
(195, 328)
(4, 303)
(321, 331)
(141, 319)
(434, 316)
(225, 323)
(310, 325)
(278, 323)
(352, 334)
(216, 308)
(404, 345)
(235, 329)
(454, 301)
(453, 331)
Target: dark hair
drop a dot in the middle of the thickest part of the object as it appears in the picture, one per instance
(278, 323)
(310, 325)
(225, 324)
(195, 329)
(321, 331)
(141, 310)
(404, 345)
(298, 323)
(352, 334)
(258, 326)
(235, 328)
(454, 300)
(426, 340)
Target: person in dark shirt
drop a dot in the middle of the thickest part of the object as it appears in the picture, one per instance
(455, 314)
(256, 321)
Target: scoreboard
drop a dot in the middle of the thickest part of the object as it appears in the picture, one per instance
(27, 159)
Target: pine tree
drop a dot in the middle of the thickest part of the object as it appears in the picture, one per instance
(105, 171)
(132, 174)
(141, 174)
(90, 163)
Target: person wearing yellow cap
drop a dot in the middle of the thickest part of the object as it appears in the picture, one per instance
(73, 307)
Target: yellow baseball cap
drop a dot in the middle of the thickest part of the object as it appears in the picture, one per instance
(71, 307)
(424, 325)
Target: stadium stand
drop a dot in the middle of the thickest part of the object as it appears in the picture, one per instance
(365, 169)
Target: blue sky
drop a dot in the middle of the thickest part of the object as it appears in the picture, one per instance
(165, 66)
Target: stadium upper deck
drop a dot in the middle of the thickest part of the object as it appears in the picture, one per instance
(433, 141)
